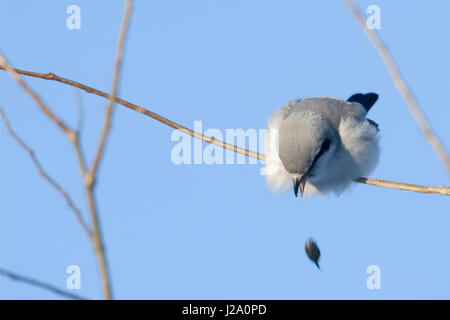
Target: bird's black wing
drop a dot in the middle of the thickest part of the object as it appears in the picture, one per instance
(367, 100)
(374, 124)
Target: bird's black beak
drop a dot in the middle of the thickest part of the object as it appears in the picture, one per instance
(299, 184)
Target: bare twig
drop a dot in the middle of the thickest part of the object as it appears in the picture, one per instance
(33, 95)
(71, 135)
(44, 174)
(80, 106)
(54, 77)
(401, 86)
(115, 86)
(406, 186)
(39, 284)
(260, 156)
(91, 175)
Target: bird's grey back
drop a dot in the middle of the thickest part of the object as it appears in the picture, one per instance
(330, 108)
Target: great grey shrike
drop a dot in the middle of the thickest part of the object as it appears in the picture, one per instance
(323, 144)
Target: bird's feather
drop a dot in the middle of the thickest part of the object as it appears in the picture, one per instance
(367, 100)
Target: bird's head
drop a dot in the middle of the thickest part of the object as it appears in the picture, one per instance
(307, 142)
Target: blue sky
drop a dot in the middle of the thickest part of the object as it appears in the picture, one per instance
(217, 231)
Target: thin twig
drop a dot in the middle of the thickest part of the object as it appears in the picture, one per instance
(45, 175)
(115, 86)
(406, 186)
(77, 141)
(260, 156)
(401, 85)
(91, 176)
(33, 95)
(43, 285)
(73, 137)
(80, 106)
(54, 77)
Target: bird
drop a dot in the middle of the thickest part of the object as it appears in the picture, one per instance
(313, 251)
(321, 145)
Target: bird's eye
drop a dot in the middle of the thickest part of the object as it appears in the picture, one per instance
(325, 146)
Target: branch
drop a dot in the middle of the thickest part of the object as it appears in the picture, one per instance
(406, 186)
(39, 284)
(115, 85)
(80, 105)
(54, 77)
(44, 174)
(401, 85)
(33, 95)
(91, 175)
(260, 156)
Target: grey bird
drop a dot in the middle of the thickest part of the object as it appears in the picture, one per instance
(321, 145)
(313, 251)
